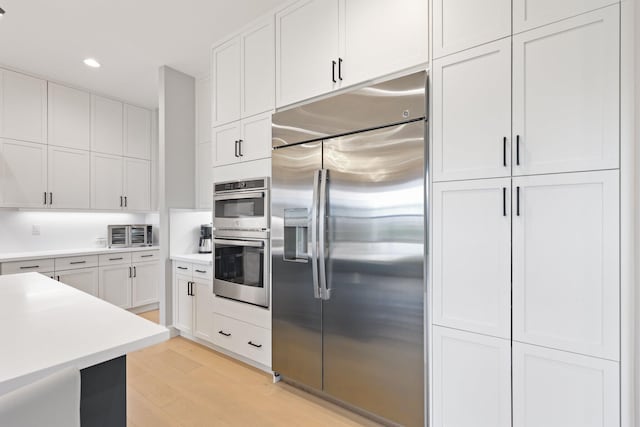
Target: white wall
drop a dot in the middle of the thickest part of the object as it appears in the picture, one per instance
(60, 230)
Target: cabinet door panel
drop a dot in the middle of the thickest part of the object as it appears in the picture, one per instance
(115, 285)
(256, 138)
(472, 116)
(226, 82)
(145, 283)
(107, 126)
(183, 313)
(528, 14)
(258, 69)
(137, 184)
(369, 52)
(137, 132)
(205, 175)
(566, 95)
(224, 139)
(307, 40)
(566, 282)
(471, 379)
(461, 24)
(106, 181)
(24, 174)
(203, 326)
(556, 389)
(23, 107)
(69, 178)
(69, 117)
(84, 279)
(471, 256)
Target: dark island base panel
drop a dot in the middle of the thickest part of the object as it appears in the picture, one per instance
(103, 395)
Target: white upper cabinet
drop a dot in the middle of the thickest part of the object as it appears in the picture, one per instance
(528, 14)
(472, 256)
(258, 69)
(556, 389)
(246, 140)
(69, 115)
(107, 173)
(462, 24)
(23, 107)
(23, 172)
(566, 95)
(137, 132)
(107, 125)
(137, 184)
(566, 280)
(226, 81)
(471, 380)
(225, 144)
(472, 113)
(203, 110)
(307, 50)
(368, 51)
(69, 180)
(204, 179)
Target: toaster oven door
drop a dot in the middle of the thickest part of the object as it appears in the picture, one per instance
(118, 236)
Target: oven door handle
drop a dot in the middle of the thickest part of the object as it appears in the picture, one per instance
(244, 195)
(314, 234)
(248, 243)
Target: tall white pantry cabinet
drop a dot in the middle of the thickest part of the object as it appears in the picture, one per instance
(526, 228)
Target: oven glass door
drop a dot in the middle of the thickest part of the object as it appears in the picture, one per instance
(138, 236)
(118, 236)
(246, 210)
(240, 262)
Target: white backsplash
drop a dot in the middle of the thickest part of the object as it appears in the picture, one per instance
(62, 230)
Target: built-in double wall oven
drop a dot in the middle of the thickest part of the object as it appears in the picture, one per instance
(241, 240)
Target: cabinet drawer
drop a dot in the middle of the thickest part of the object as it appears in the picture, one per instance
(37, 265)
(242, 338)
(202, 271)
(183, 268)
(71, 263)
(144, 256)
(226, 334)
(113, 259)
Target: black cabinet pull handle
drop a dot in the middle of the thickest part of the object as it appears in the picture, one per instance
(120, 201)
(200, 271)
(58, 278)
(77, 262)
(255, 345)
(50, 198)
(518, 150)
(518, 201)
(504, 201)
(333, 71)
(181, 268)
(145, 256)
(236, 148)
(27, 267)
(224, 333)
(129, 271)
(115, 259)
(340, 68)
(240, 141)
(45, 197)
(135, 272)
(504, 151)
(125, 201)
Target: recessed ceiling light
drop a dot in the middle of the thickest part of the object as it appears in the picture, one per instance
(90, 62)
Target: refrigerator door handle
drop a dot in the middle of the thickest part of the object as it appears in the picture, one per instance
(325, 292)
(314, 234)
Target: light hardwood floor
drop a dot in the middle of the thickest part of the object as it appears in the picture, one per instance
(181, 383)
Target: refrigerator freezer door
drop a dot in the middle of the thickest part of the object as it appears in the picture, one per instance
(297, 314)
(373, 319)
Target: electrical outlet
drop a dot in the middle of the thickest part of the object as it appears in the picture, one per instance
(35, 230)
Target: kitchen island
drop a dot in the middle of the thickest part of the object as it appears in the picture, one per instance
(49, 326)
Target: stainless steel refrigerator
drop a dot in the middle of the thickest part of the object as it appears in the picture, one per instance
(348, 247)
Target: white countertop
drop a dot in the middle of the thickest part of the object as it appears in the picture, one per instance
(202, 259)
(48, 326)
(20, 256)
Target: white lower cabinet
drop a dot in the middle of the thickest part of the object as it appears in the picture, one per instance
(243, 338)
(84, 279)
(553, 388)
(203, 323)
(115, 285)
(183, 304)
(471, 380)
(144, 286)
(193, 299)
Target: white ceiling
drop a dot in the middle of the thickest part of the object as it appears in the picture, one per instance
(130, 38)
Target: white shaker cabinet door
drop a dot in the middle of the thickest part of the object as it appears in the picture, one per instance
(145, 283)
(137, 132)
(69, 175)
(566, 95)
(203, 318)
(69, 117)
(528, 14)
(204, 179)
(107, 125)
(462, 24)
(23, 107)
(556, 389)
(226, 142)
(472, 256)
(83, 279)
(183, 312)
(106, 182)
(115, 284)
(258, 69)
(566, 282)
(472, 113)
(226, 82)
(307, 48)
(471, 380)
(368, 51)
(255, 141)
(23, 168)
(137, 184)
